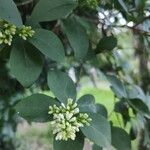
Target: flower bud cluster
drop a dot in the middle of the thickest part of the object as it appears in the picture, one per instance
(92, 4)
(25, 32)
(8, 31)
(67, 120)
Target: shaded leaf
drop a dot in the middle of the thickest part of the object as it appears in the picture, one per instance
(123, 5)
(35, 108)
(140, 106)
(49, 44)
(134, 92)
(77, 37)
(107, 43)
(86, 103)
(120, 139)
(5, 52)
(101, 109)
(25, 63)
(99, 130)
(133, 132)
(95, 147)
(61, 85)
(77, 144)
(122, 108)
(117, 86)
(49, 10)
(9, 12)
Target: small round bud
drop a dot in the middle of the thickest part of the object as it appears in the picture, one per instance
(73, 119)
(74, 105)
(63, 105)
(70, 101)
(76, 111)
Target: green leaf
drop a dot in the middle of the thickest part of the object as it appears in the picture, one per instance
(120, 139)
(140, 106)
(134, 92)
(35, 107)
(122, 108)
(107, 43)
(134, 131)
(25, 63)
(140, 5)
(87, 24)
(101, 110)
(77, 144)
(95, 147)
(49, 10)
(49, 44)
(77, 37)
(87, 104)
(137, 99)
(5, 52)
(117, 86)
(61, 85)
(123, 5)
(99, 131)
(9, 12)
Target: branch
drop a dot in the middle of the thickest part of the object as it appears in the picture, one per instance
(142, 20)
(134, 29)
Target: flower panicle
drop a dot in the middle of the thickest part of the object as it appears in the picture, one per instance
(9, 30)
(67, 120)
(25, 32)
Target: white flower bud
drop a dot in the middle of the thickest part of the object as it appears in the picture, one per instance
(55, 116)
(63, 126)
(70, 101)
(9, 43)
(67, 124)
(63, 105)
(56, 130)
(69, 116)
(76, 111)
(75, 129)
(6, 25)
(68, 107)
(50, 112)
(50, 107)
(73, 136)
(61, 116)
(85, 115)
(87, 123)
(89, 119)
(74, 105)
(59, 136)
(73, 119)
(53, 122)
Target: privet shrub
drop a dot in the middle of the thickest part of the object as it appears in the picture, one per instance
(41, 40)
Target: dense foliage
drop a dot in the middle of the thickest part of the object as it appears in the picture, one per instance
(41, 40)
